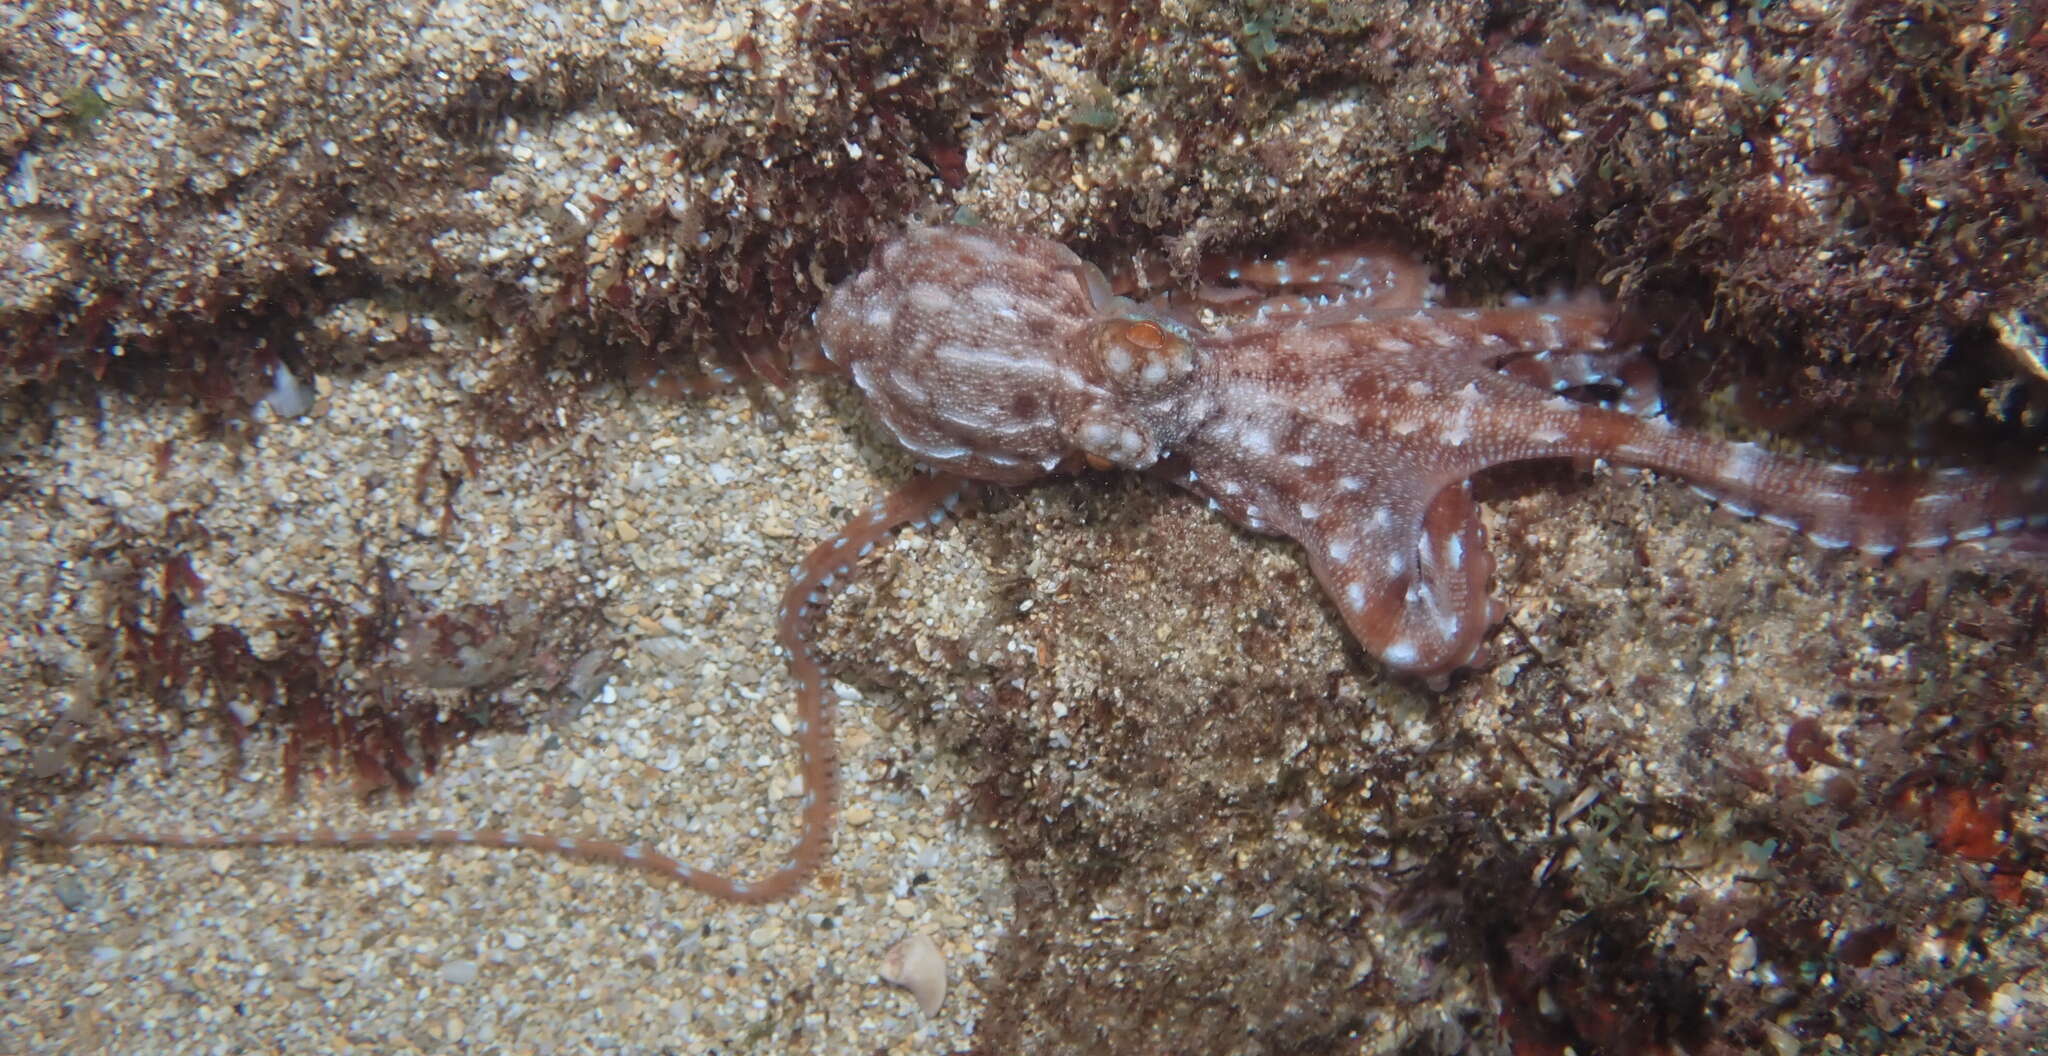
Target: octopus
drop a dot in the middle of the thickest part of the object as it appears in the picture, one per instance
(1342, 408)
(1326, 398)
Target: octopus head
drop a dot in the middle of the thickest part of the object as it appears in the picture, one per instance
(1003, 356)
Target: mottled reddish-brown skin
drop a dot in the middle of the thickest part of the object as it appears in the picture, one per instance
(1349, 415)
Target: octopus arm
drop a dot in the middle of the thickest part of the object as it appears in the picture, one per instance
(1414, 594)
(1314, 289)
(1837, 506)
(1402, 555)
(1630, 378)
(924, 498)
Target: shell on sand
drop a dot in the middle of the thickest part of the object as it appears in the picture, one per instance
(916, 965)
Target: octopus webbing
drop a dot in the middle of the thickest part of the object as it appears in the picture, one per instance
(1333, 402)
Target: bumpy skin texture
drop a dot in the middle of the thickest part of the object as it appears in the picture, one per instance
(1343, 410)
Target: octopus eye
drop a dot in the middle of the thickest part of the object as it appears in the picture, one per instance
(1142, 352)
(1146, 335)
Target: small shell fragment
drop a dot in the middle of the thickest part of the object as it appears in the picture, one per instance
(916, 965)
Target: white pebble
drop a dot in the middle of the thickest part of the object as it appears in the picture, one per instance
(288, 396)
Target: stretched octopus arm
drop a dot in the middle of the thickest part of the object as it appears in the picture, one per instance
(1836, 506)
(925, 498)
